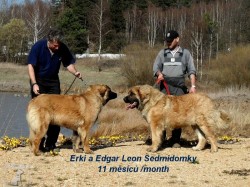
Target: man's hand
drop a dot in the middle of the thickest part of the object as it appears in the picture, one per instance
(160, 76)
(193, 80)
(192, 89)
(71, 68)
(36, 89)
(78, 75)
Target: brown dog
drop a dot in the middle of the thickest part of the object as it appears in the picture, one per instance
(76, 112)
(169, 112)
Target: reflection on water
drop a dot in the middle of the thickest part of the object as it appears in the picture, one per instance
(12, 115)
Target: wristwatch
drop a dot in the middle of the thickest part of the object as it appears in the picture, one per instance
(34, 84)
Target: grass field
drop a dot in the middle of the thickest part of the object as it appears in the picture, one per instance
(15, 77)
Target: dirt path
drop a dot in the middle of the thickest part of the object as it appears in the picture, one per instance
(111, 167)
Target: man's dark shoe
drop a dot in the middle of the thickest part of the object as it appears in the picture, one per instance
(44, 149)
(173, 143)
(148, 141)
(41, 146)
(47, 148)
(52, 148)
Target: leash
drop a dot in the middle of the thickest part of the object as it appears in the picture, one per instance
(72, 84)
(165, 85)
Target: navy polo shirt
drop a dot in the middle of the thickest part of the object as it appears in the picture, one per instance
(47, 66)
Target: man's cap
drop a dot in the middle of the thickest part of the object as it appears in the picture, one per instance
(171, 35)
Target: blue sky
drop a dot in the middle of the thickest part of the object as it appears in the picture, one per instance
(20, 1)
(17, 1)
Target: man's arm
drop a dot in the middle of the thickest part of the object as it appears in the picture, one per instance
(191, 71)
(32, 77)
(71, 68)
(157, 67)
(31, 73)
(192, 79)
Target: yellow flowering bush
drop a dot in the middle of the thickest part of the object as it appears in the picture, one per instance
(228, 139)
(8, 143)
(114, 139)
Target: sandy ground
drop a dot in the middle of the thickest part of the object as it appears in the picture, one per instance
(128, 164)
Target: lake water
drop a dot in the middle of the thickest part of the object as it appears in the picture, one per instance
(12, 115)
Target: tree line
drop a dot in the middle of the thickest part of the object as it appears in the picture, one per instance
(98, 26)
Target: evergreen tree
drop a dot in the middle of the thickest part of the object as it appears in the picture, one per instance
(173, 3)
(73, 21)
(142, 4)
(116, 13)
(246, 21)
(117, 37)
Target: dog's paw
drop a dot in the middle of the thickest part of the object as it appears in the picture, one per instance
(214, 150)
(37, 154)
(151, 149)
(195, 148)
(89, 151)
(78, 150)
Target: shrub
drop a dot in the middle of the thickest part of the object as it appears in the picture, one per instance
(231, 68)
(137, 67)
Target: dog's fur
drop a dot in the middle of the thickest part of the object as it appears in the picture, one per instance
(76, 112)
(164, 112)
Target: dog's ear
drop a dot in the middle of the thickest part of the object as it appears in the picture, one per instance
(90, 88)
(99, 89)
(103, 90)
(143, 93)
(140, 94)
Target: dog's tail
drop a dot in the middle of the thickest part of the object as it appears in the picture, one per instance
(221, 119)
(35, 121)
(32, 118)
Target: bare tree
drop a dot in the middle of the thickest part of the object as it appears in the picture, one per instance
(195, 34)
(130, 17)
(100, 22)
(3, 11)
(37, 18)
(197, 39)
(152, 24)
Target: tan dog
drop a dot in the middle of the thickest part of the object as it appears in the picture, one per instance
(170, 112)
(76, 112)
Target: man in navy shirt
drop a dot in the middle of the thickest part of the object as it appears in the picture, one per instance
(44, 62)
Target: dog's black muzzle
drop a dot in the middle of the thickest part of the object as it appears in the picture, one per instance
(130, 99)
(126, 99)
(112, 95)
(133, 102)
